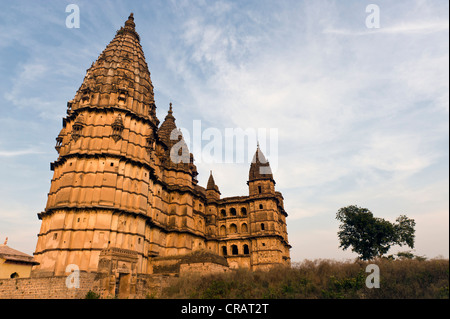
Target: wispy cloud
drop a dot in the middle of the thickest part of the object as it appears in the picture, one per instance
(11, 153)
(413, 28)
(398, 153)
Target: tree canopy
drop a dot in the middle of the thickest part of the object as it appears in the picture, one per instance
(370, 236)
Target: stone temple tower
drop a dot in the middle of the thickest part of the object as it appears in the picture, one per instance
(124, 196)
(99, 191)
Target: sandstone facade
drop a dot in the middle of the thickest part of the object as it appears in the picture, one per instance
(124, 194)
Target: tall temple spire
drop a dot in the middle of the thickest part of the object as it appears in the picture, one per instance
(119, 77)
(108, 133)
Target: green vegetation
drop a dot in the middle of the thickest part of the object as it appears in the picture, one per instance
(370, 236)
(400, 278)
(92, 295)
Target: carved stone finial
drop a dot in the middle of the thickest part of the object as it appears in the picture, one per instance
(130, 21)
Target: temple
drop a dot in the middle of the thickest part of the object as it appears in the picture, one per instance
(124, 197)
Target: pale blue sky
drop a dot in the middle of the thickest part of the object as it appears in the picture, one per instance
(362, 114)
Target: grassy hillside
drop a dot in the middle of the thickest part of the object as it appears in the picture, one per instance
(322, 279)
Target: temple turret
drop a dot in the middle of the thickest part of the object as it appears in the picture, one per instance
(212, 190)
(260, 178)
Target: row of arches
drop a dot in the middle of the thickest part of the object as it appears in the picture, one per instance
(235, 250)
(232, 212)
(233, 229)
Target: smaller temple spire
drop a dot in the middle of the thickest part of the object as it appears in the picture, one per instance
(169, 116)
(212, 190)
(211, 184)
(167, 127)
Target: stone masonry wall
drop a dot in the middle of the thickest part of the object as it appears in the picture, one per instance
(202, 268)
(147, 286)
(46, 288)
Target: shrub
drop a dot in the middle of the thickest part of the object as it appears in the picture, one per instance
(92, 295)
(400, 278)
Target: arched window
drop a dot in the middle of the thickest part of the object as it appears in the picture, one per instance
(224, 250)
(223, 213)
(243, 211)
(260, 206)
(233, 211)
(223, 230)
(262, 226)
(244, 228)
(259, 189)
(246, 250)
(234, 250)
(233, 229)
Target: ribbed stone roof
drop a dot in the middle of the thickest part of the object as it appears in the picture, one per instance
(259, 168)
(11, 254)
(121, 70)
